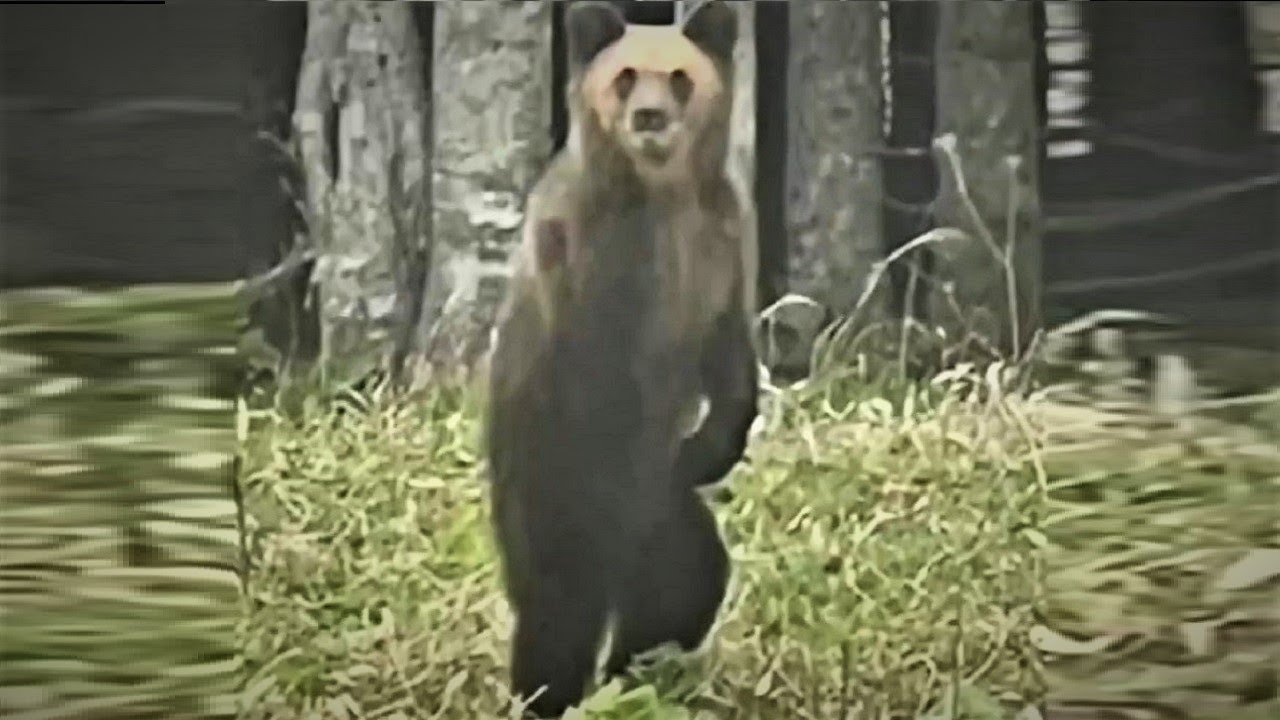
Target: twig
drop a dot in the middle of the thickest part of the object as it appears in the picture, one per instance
(908, 316)
(947, 144)
(880, 268)
(836, 331)
(257, 286)
(1011, 282)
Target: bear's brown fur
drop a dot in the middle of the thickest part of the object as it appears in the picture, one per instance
(630, 307)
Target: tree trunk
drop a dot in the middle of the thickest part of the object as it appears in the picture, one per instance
(360, 122)
(988, 174)
(742, 131)
(491, 80)
(834, 178)
(770, 194)
(910, 182)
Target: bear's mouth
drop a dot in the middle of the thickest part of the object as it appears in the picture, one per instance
(654, 151)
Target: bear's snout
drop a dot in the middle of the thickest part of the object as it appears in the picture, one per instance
(649, 120)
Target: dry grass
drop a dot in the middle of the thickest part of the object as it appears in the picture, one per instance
(1163, 567)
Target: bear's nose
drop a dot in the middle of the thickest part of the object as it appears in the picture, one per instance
(649, 120)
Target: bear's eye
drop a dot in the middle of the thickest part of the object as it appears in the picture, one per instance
(625, 81)
(681, 86)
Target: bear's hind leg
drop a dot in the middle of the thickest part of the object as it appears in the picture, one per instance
(674, 588)
(557, 636)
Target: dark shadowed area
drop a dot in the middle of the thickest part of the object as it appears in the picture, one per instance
(126, 140)
(1181, 185)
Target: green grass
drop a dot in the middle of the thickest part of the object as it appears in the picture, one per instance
(895, 546)
(883, 560)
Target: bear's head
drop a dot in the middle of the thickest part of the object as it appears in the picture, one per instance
(659, 96)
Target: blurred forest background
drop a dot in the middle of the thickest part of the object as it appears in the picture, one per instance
(329, 191)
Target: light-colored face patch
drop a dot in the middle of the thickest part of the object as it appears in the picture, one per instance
(653, 91)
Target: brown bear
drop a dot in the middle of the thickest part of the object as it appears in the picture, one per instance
(623, 372)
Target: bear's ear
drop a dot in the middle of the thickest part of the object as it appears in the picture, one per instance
(591, 27)
(713, 27)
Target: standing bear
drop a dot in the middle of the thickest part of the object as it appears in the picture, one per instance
(623, 372)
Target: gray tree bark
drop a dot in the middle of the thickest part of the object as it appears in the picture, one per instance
(492, 76)
(834, 179)
(360, 120)
(989, 284)
(742, 132)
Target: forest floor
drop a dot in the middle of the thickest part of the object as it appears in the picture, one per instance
(901, 550)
